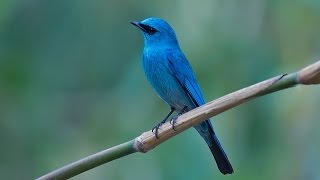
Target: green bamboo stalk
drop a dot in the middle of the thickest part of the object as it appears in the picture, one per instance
(91, 161)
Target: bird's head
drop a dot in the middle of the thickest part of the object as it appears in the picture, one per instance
(156, 32)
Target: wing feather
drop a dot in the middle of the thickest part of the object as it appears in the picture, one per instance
(182, 70)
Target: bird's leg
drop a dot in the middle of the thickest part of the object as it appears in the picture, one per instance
(174, 119)
(156, 128)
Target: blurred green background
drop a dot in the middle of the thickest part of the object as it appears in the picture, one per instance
(71, 84)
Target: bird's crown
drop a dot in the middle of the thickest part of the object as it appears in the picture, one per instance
(156, 31)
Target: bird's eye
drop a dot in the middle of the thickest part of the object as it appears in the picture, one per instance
(152, 30)
(148, 29)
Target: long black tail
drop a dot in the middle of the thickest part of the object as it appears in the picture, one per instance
(206, 131)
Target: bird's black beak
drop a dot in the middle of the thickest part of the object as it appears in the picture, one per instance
(137, 24)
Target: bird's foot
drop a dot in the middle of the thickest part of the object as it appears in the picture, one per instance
(173, 122)
(174, 119)
(156, 128)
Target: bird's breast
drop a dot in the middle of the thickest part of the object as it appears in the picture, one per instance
(162, 79)
(157, 71)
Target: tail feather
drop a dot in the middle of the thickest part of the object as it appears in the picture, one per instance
(219, 155)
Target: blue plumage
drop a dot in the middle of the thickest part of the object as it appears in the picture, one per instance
(171, 75)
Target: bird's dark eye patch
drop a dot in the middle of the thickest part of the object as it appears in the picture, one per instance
(148, 29)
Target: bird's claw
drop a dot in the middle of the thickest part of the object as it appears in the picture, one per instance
(156, 128)
(173, 122)
(174, 119)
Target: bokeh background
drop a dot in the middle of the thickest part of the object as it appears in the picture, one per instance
(71, 84)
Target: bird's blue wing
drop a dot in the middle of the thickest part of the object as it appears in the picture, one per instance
(181, 69)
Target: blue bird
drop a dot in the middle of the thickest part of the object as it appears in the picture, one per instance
(170, 74)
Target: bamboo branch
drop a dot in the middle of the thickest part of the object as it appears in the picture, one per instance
(91, 161)
(147, 140)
